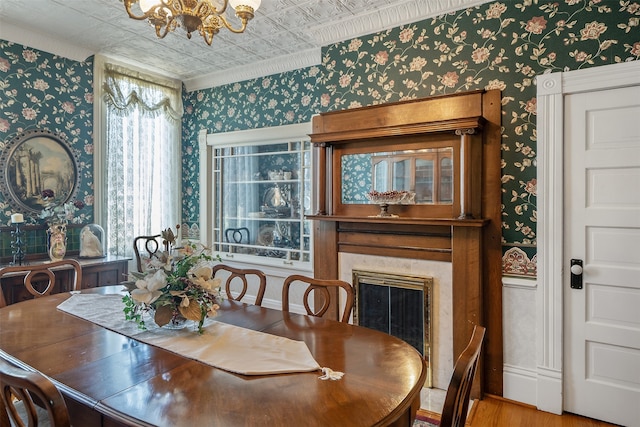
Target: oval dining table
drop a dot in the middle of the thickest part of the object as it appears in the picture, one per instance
(109, 379)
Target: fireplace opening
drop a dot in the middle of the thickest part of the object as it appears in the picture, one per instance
(397, 305)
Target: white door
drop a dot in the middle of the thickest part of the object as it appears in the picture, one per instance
(602, 228)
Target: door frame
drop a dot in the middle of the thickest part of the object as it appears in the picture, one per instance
(551, 90)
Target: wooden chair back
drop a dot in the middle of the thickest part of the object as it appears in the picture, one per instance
(147, 247)
(241, 276)
(35, 274)
(238, 235)
(19, 389)
(319, 289)
(456, 404)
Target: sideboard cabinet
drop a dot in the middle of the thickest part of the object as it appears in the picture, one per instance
(95, 272)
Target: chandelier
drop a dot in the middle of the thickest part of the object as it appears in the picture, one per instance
(205, 16)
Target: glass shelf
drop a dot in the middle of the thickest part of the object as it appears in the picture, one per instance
(262, 193)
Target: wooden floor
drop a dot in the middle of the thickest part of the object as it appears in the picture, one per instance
(497, 412)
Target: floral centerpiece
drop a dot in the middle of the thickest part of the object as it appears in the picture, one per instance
(178, 284)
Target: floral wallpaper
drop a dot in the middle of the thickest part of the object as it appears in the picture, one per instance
(498, 45)
(43, 91)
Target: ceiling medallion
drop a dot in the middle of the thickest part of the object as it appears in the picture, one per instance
(205, 16)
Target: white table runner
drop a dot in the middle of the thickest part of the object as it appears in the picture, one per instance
(223, 346)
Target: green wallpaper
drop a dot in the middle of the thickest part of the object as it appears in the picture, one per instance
(43, 91)
(498, 45)
(502, 44)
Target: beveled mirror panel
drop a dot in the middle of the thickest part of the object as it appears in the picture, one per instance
(427, 172)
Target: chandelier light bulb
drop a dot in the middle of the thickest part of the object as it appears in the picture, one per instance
(254, 4)
(145, 5)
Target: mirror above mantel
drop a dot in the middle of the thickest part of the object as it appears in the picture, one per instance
(437, 163)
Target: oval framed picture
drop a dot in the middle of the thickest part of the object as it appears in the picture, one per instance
(34, 161)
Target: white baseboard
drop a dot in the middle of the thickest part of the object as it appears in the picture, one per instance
(519, 384)
(549, 390)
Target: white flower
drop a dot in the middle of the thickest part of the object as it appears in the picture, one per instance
(201, 275)
(148, 289)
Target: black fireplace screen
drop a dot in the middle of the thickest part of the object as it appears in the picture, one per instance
(397, 305)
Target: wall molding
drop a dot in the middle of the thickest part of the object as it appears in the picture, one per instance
(519, 283)
(551, 90)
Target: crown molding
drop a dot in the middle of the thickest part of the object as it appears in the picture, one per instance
(43, 42)
(397, 14)
(268, 67)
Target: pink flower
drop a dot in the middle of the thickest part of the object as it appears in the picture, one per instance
(417, 63)
(4, 125)
(4, 65)
(450, 79)
(480, 55)
(531, 105)
(29, 55)
(635, 50)
(344, 80)
(40, 85)
(495, 10)
(68, 107)
(592, 31)
(581, 56)
(354, 45)
(28, 113)
(381, 57)
(406, 35)
(531, 187)
(536, 25)
(325, 99)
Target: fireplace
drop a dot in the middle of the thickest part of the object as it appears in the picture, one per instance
(399, 305)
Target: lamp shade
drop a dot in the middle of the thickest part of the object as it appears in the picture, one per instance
(255, 4)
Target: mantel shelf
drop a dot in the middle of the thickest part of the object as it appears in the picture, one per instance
(454, 222)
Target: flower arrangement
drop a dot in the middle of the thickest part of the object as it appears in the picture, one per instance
(58, 213)
(178, 284)
(391, 197)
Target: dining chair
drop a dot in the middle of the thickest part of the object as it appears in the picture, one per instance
(29, 398)
(319, 289)
(456, 403)
(147, 247)
(38, 274)
(242, 276)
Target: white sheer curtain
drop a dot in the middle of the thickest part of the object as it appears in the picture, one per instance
(141, 178)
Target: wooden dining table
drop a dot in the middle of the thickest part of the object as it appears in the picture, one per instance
(109, 379)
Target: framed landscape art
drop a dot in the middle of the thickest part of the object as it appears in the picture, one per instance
(33, 161)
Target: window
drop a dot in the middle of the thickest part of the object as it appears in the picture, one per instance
(137, 183)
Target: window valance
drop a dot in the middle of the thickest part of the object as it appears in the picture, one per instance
(127, 89)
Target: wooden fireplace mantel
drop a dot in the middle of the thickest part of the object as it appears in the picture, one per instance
(466, 233)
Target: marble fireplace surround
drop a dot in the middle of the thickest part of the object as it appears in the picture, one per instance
(442, 326)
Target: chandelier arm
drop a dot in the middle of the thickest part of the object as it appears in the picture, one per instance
(165, 14)
(234, 30)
